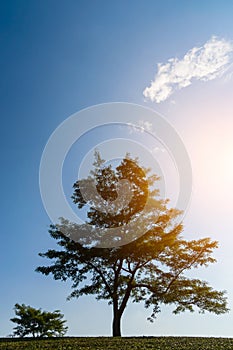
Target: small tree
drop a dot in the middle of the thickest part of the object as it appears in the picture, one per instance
(150, 268)
(37, 323)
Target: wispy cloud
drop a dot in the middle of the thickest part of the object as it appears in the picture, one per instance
(202, 63)
(141, 127)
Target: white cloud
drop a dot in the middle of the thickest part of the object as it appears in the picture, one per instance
(202, 63)
(157, 150)
(141, 126)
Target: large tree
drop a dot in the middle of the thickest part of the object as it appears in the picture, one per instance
(37, 323)
(144, 260)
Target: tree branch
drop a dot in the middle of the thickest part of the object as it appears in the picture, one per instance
(103, 278)
(182, 270)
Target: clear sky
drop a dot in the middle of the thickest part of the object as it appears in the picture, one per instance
(58, 57)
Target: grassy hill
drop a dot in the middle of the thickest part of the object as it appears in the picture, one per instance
(103, 343)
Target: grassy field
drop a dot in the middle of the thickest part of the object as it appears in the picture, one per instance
(144, 343)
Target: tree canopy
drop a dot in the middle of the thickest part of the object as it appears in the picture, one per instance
(37, 323)
(149, 266)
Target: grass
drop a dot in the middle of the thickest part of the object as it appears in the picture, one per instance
(134, 343)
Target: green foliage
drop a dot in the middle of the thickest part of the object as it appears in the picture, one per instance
(139, 343)
(151, 267)
(37, 323)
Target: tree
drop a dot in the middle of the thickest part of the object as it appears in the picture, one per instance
(31, 321)
(151, 267)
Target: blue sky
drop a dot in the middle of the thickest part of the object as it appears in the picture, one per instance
(59, 57)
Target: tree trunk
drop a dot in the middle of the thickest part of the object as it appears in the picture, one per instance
(118, 312)
(116, 325)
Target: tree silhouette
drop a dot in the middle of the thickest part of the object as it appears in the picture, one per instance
(144, 260)
(37, 323)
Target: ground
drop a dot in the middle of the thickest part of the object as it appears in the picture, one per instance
(127, 343)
